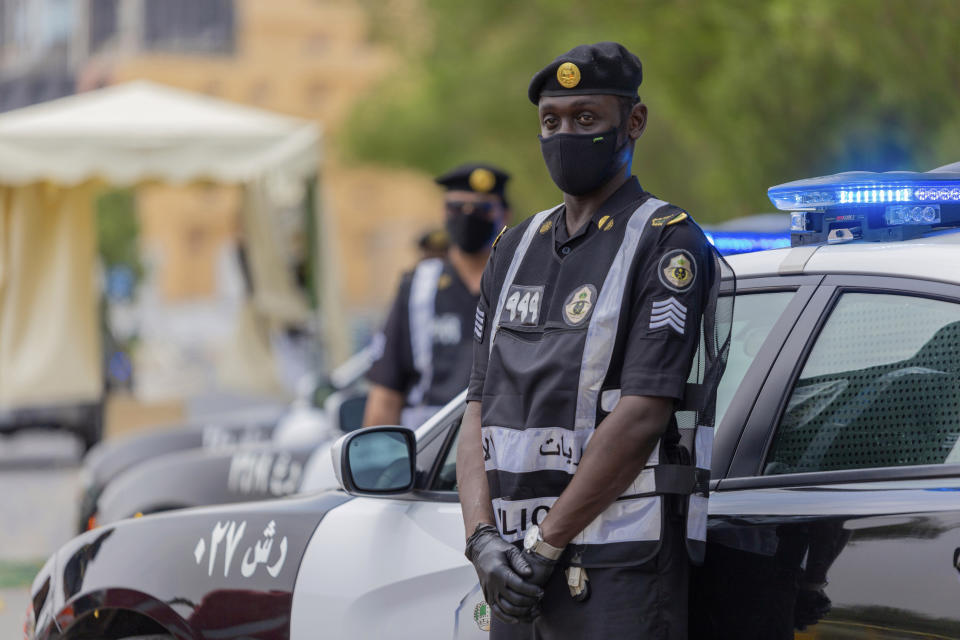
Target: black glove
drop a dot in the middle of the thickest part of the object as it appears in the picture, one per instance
(541, 568)
(503, 574)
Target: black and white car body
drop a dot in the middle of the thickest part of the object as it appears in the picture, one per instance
(834, 506)
(242, 456)
(242, 472)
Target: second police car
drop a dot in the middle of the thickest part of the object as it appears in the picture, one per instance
(836, 472)
(250, 454)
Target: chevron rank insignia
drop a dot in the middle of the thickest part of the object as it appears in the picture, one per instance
(668, 313)
(479, 322)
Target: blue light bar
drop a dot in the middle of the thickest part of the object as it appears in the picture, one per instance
(912, 214)
(862, 188)
(729, 243)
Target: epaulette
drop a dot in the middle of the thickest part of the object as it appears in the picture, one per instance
(497, 239)
(670, 218)
(680, 217)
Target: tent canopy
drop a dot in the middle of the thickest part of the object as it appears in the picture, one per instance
(144, 131)
(51, 156)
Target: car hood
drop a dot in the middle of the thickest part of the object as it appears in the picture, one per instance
(202, 572)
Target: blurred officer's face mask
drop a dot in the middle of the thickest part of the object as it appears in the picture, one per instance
(580, 163)
(471, 225)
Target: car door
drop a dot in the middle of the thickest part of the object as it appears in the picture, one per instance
(839, 516)
(390, 567)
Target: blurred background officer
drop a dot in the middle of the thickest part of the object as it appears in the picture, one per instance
(434, 244)
(588, 321)
(426, 345)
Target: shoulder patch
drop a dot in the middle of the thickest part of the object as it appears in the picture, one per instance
(677, 270)
(497, 239)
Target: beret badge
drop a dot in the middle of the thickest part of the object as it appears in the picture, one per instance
(482, 180)
(568, 75)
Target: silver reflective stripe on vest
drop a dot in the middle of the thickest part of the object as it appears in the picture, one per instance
(518, 255)
(697, 504)
(642, 520)
(523, 450)
(548, 449)
(423, 295)
(629, 520)
(697, 517)
(703, 449)
(602, 332)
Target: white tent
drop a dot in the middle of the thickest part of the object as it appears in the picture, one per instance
(143, 131)
(53, 155)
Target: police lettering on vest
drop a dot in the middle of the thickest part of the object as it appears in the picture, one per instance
(567, 333)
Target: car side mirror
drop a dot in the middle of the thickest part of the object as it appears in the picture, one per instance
(376, 461)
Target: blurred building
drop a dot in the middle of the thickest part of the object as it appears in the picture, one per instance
(303, 57)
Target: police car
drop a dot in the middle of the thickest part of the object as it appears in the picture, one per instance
(836, 472)
(240, 456)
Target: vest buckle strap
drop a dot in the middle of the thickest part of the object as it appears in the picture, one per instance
(679, 479)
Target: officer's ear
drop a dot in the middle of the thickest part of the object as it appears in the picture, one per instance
(637, 121)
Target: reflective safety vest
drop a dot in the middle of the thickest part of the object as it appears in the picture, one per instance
(540, 410)
(422, 311)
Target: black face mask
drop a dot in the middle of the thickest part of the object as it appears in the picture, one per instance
(472, 232)
(582, 162)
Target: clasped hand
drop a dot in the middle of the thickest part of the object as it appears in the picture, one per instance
(512, 581)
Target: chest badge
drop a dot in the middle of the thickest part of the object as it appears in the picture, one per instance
(677, 270)
(578, 304)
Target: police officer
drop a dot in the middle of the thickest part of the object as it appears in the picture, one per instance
(589, 317)
(433, 244)
(425, 350)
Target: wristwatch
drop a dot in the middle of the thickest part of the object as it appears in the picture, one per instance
(533, 543)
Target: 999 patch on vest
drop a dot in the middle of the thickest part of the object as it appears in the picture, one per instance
(677, 270)
(522, 306)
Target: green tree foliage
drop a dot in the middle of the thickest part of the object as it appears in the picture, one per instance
(743, 94)
(118, 230)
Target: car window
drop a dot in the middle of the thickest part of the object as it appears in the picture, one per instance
(880, 388)
(754, 315)
(446, 479)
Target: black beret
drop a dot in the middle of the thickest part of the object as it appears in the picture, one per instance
(605, 67)
(482, 178)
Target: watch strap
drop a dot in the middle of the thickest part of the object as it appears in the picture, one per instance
(546, 550)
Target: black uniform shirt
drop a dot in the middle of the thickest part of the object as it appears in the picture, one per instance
(454, 308)
(659, 323)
